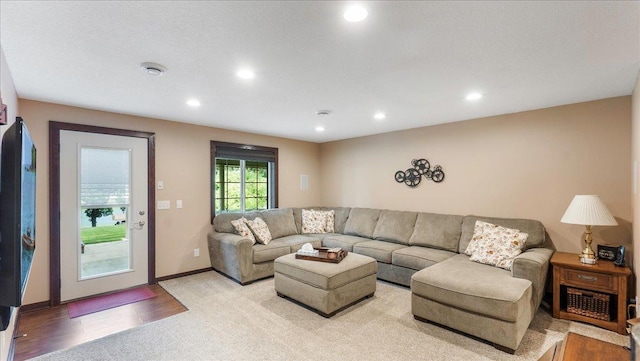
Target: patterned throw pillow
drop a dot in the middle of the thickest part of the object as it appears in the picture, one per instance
(330, 217)
(313, 221)
(495, 245)
(240, 225)
(260, 230)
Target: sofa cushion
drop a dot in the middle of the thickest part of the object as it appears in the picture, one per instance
(362, 222)
(395, 226)
(222, 221)
(242, 229)
(533, 228)
(380, 250)
(296, 241)
(491, 291)
(269, 252)
(280, 222)
(495, 245)
(437, 230)
(340, 218)
(343, 241)
(418, 258)
(260, 230)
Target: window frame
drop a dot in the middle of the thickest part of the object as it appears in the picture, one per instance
(247, 151)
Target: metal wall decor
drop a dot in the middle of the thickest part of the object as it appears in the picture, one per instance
(421, 168)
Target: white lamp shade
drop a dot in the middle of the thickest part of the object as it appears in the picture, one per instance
(588, 210)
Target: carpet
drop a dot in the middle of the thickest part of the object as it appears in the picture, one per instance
(227, 321)
(101, 303)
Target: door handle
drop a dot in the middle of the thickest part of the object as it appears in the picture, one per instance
(138, 225)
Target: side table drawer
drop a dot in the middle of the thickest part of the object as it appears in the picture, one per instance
(589, 280)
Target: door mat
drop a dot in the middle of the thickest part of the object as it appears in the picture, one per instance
(101, 303)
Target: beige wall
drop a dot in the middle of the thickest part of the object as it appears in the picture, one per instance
(183, 164)
(527, 165)
(10, 98)
(635, 109)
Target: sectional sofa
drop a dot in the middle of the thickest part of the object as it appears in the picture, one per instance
(424, 251)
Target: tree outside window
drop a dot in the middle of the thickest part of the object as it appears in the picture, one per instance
(244, 178)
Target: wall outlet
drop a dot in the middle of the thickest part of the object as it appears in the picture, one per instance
(196, 252)
(178, 204)
(164, 204)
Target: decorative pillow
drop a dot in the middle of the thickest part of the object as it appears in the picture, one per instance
(241, 228)
(495, 245)
(313, 221)
(260, 230)
(331, 221)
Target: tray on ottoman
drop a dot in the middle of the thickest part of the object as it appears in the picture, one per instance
(325, 254)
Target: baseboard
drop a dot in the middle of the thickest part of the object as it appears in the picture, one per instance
(183, 274)
(34, 306)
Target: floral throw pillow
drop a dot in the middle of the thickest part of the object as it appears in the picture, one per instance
(260, 230)
(313, 221)
(241, 227)
(495, 245)
(330, 217)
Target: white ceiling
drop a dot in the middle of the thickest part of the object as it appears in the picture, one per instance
(415, 61)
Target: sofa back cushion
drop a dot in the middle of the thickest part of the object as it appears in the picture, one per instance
(534, 228)
(342, 214)
(362, 222)
(280, 222)
(437, 230)
(395, 226)
(222, 221)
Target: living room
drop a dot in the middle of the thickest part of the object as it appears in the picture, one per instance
(518, 163)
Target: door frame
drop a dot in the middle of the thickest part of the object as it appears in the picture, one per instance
(54, 198)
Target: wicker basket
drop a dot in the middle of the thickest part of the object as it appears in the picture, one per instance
(587, 303)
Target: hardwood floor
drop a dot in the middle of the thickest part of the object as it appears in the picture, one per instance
(51, 329)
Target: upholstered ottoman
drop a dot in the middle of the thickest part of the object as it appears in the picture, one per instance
(325, 287)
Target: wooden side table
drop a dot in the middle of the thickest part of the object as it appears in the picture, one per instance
(603, 277)
(577, 347)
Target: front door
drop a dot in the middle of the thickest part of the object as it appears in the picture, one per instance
(103, 213)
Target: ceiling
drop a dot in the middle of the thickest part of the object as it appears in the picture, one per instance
(414, 61)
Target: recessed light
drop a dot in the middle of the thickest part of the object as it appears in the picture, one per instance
(319, 129)
(355, 13)
(473, 96)
(193, 102)
(153, 68)
(323, 113)
(246, 74)
(379, 115)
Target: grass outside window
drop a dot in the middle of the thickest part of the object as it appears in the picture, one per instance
(103, 234)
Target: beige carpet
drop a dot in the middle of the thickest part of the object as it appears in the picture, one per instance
(227, 321)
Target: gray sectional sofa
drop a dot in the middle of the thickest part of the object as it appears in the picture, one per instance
(424, 251)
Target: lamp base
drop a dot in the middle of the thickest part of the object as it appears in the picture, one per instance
(587, 260)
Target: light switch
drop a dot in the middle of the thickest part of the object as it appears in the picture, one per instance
(179, 203)
(164, 204)
(160, 185)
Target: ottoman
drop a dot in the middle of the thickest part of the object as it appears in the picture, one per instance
(323, 286)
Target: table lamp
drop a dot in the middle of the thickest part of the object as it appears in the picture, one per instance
(588, 210)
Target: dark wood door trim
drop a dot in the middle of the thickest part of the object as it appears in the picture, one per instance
(54, 197)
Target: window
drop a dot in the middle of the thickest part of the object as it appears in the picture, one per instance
(243, 177)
